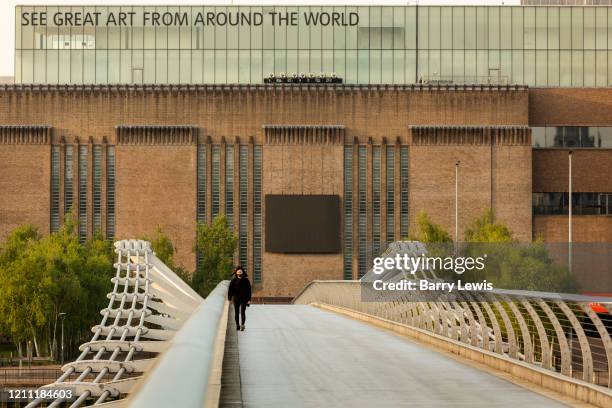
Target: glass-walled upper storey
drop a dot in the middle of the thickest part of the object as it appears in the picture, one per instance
(536, 46)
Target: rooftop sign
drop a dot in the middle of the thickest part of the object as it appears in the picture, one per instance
(187, 19)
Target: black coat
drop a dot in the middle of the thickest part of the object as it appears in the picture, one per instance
(239, 290)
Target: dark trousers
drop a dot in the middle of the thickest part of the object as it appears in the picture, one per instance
(239, 311)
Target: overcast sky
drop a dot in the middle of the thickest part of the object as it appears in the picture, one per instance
(7, 14)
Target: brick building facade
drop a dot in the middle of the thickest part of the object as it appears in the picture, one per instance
(129, 158)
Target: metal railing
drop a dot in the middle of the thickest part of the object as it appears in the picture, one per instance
(464, 80)
(145, 318)
(561, 333)
(189, 359)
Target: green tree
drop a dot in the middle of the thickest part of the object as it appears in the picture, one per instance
(43, 276)
(430, 232)
(510, 264)
(94, 275)
(22, 304)
(17, 242)
(486, 229)
(163, 247)
(216, 244)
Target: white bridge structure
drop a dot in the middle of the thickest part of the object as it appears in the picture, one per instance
(149, 308)
(162, 345)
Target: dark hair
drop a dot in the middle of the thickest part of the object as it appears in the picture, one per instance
(239, 268)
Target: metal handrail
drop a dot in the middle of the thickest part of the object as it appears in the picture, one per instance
(188, 360)
(557, 332)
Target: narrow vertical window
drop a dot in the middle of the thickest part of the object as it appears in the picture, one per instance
(257, 188)
(390, 194)
(68, 179)
(348, 212)
(229, 185)
(97, 188)
(216, 164)
(376, 200)
(83, 192)
(244, 205)
(110, 193)
(201, 174)
(404, 191)
(55, 188)
(362, 222)
(201, 193)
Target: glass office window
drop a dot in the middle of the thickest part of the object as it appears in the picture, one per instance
(572, 136)
(583, 203)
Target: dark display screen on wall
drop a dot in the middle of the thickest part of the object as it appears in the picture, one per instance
(303, 224)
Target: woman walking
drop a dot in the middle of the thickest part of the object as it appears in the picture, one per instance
(240, 293)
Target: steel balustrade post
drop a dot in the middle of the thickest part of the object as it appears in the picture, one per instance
(512, 343)
(484, 329)
(544, 343)
(497, 336)
(566, 362)
(525, 335)
(585, 348)
(603, 334)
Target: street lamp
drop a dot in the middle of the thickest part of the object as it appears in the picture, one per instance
(569, 221)
(62, 316)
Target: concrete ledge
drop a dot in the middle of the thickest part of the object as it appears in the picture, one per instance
(577, 390)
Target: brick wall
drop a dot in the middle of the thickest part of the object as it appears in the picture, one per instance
(492, 174)
(300, 169)
(590, 170)
(25, 179)
(372, 111)
(591, 247)
(156, 186)
(570, 106)
(585, 228)
(156, 180)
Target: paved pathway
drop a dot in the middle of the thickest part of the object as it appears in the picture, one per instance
(302, 356)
